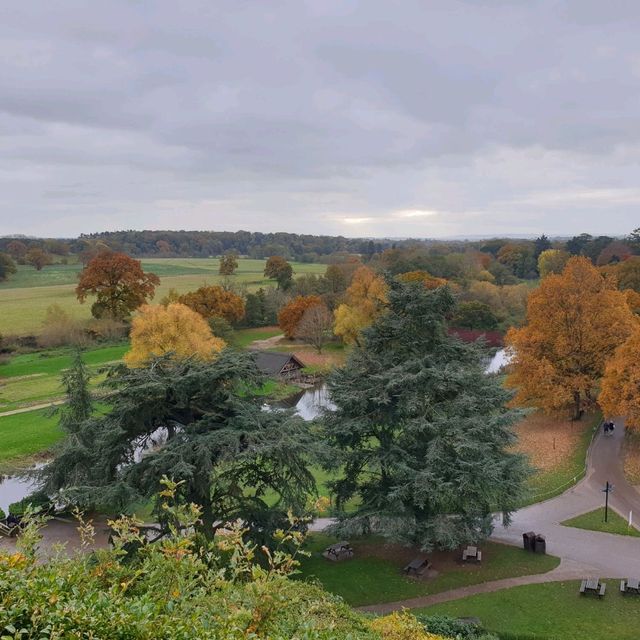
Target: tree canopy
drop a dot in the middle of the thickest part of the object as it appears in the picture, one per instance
(119, 284)
(364, 300)
(175, 330)
(280, 270)
(291, 314)
(231, 458)
(7, 266)
(619, 395)
(210, 301)
(228, 263)
(575, 321)
(421, 432)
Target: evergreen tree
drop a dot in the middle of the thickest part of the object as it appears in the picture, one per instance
(423, 433)
(195, 423)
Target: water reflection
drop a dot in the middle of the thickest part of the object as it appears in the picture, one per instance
(500, 360)
(310, 403)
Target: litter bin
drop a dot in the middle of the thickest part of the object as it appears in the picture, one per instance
(540, 544)
(528, 540)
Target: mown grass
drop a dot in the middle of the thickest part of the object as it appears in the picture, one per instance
(368, 579)
(23, 307)
(594, 521)
(549, 611)
(244, 337)
(26, 434)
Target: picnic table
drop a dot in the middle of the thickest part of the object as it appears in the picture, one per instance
(594, 586)
(418, 566)
(10, 526)
(338, 551)
(472, 553)
(630, 585)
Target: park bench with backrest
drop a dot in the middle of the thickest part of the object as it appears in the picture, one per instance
(472, 553)
(418, 566)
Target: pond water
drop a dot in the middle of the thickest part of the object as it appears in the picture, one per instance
(13, 489)
(308, 404)
(500, 360)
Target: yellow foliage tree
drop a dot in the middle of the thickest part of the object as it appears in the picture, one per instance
(402, 626)
(575, 321)
(175, 329)
(552, 261)
(620, 389)
(365, 299)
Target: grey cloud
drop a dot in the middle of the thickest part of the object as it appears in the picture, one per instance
(296, 115)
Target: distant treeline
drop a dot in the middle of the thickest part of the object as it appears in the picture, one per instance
(312, 248)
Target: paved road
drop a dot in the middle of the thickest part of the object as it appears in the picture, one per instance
(602, 553)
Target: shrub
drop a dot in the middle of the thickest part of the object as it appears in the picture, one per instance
(59, 329)
(454, 628)
(107, 329)
(38, 501)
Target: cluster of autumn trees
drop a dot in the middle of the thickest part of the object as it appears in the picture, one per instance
(580, 345)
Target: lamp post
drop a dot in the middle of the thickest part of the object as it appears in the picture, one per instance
(607, 490)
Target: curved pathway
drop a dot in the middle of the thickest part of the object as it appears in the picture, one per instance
(581, 552)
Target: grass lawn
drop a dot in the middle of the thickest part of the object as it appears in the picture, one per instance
(24, 297)
(26, 434)
(375, 575)
(244, 337)
(551, 611)
(557, 450)
(594, 521)
(34, 378)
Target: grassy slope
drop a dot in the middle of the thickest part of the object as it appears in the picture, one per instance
(26, 434)
(551, 611)
(34, 378)
(25, 297)
(594, 521)
(370, 580)
(553, 482)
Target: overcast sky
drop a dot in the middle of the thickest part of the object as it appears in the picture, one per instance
(396, 118)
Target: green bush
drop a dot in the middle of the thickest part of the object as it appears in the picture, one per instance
(179, 588)
(3, 515)
(454, 628)
(38, 501)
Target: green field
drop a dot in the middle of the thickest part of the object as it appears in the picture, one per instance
(24, 298)
(550, 611)
(594, 521)
(34, 378)
(373, 579)
(27, 434)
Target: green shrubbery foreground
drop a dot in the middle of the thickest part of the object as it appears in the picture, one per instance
(180, 587)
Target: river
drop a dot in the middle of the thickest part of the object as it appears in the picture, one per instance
(308, 404)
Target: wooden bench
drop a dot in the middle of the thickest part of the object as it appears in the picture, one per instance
(418, 566)
(338, 551)
(9, 530)
(472, 553)
(603, 588)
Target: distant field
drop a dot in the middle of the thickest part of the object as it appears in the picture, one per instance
(25, 297)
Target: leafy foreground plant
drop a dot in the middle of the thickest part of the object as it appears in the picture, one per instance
(177, 589)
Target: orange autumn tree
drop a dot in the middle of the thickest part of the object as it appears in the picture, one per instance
(365, 300)
(119, 284)
(174, 329)
(430, 282)
(620, 389)
(575, 321)
(215, 301)
(291, 314)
